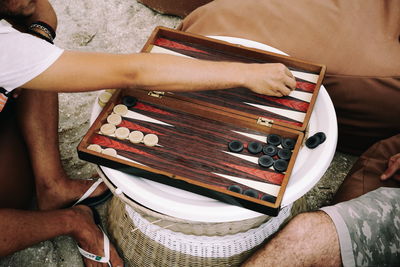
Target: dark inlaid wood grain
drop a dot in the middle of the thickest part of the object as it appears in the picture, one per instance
(192, 147)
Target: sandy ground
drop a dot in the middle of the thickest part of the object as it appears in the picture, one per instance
(119, 27)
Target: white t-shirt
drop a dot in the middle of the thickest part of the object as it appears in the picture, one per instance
(23, 56)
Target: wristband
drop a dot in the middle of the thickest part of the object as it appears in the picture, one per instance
(41, 36)
(46, 28)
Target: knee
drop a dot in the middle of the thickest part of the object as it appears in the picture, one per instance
(301, 226)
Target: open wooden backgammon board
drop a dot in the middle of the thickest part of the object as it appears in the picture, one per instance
(232, 145)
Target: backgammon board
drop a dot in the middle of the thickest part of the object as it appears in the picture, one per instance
(194, 131)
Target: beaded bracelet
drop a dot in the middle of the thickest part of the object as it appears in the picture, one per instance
(47, 29)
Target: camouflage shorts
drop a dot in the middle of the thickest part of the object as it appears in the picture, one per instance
(369, 228)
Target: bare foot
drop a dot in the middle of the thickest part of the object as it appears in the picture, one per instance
(64, 192)
(90, 238)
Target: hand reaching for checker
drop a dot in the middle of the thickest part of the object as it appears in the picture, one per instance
(393, 169)
(273, 79)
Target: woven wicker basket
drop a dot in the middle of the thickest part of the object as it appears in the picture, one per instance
(187, 226)
(146, 238)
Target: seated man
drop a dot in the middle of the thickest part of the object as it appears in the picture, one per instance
(359, 44)
(363, 231)
(28, 135)
(358, 41)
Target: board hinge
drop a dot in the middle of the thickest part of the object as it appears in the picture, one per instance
(156, 94)
(265, 122)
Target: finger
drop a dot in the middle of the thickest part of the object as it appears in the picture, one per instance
(391, 170)
(280, 90)
(285, 91)
(277, 94)
(289, 73)
(395, 157)
(291, 83)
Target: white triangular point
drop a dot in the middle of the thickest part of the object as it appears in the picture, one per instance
(260, 186)
(294, 115)
(161, 50)
(245, 157)
(128, 159)
(305, 76)
(261, 138)
(137, 116)
(306, 97)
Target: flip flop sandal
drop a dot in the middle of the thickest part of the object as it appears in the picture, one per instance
(93, 201)
(93, 257)
(106, 242)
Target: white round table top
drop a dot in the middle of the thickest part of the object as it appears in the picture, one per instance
(309, 168)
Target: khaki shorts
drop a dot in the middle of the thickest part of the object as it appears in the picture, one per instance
(369, 228)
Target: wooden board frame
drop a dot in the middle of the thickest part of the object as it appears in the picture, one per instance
(201, 109)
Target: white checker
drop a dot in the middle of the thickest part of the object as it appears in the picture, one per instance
(122, 133)
(120, 109)
(150, 139)
(110, 152)
(107, 129)
(104, 97)
(136, 137)
(95, 147)
(114, 119)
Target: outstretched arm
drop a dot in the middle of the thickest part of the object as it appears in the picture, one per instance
(82, 71)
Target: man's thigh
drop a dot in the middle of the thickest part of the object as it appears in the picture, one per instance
(16, 177)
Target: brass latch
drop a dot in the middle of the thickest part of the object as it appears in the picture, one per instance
(156, 94)
(265, 122)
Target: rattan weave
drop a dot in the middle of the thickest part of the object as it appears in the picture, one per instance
(146, 240)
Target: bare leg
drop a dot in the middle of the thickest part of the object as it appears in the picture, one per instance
(19, 229)
(16, 177)
(309, 239)
(38, 117)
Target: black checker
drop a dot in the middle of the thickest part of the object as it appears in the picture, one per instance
(284, 153)
(129, 101)
(235, 146)
(265, 161)
(280, 165)
(270, 150)
(313, 141)
(254, 147)
(235, 188)
(251, 193)
(274, 139)
(288, 143)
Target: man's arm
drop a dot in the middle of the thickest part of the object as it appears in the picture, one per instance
(82, 71)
